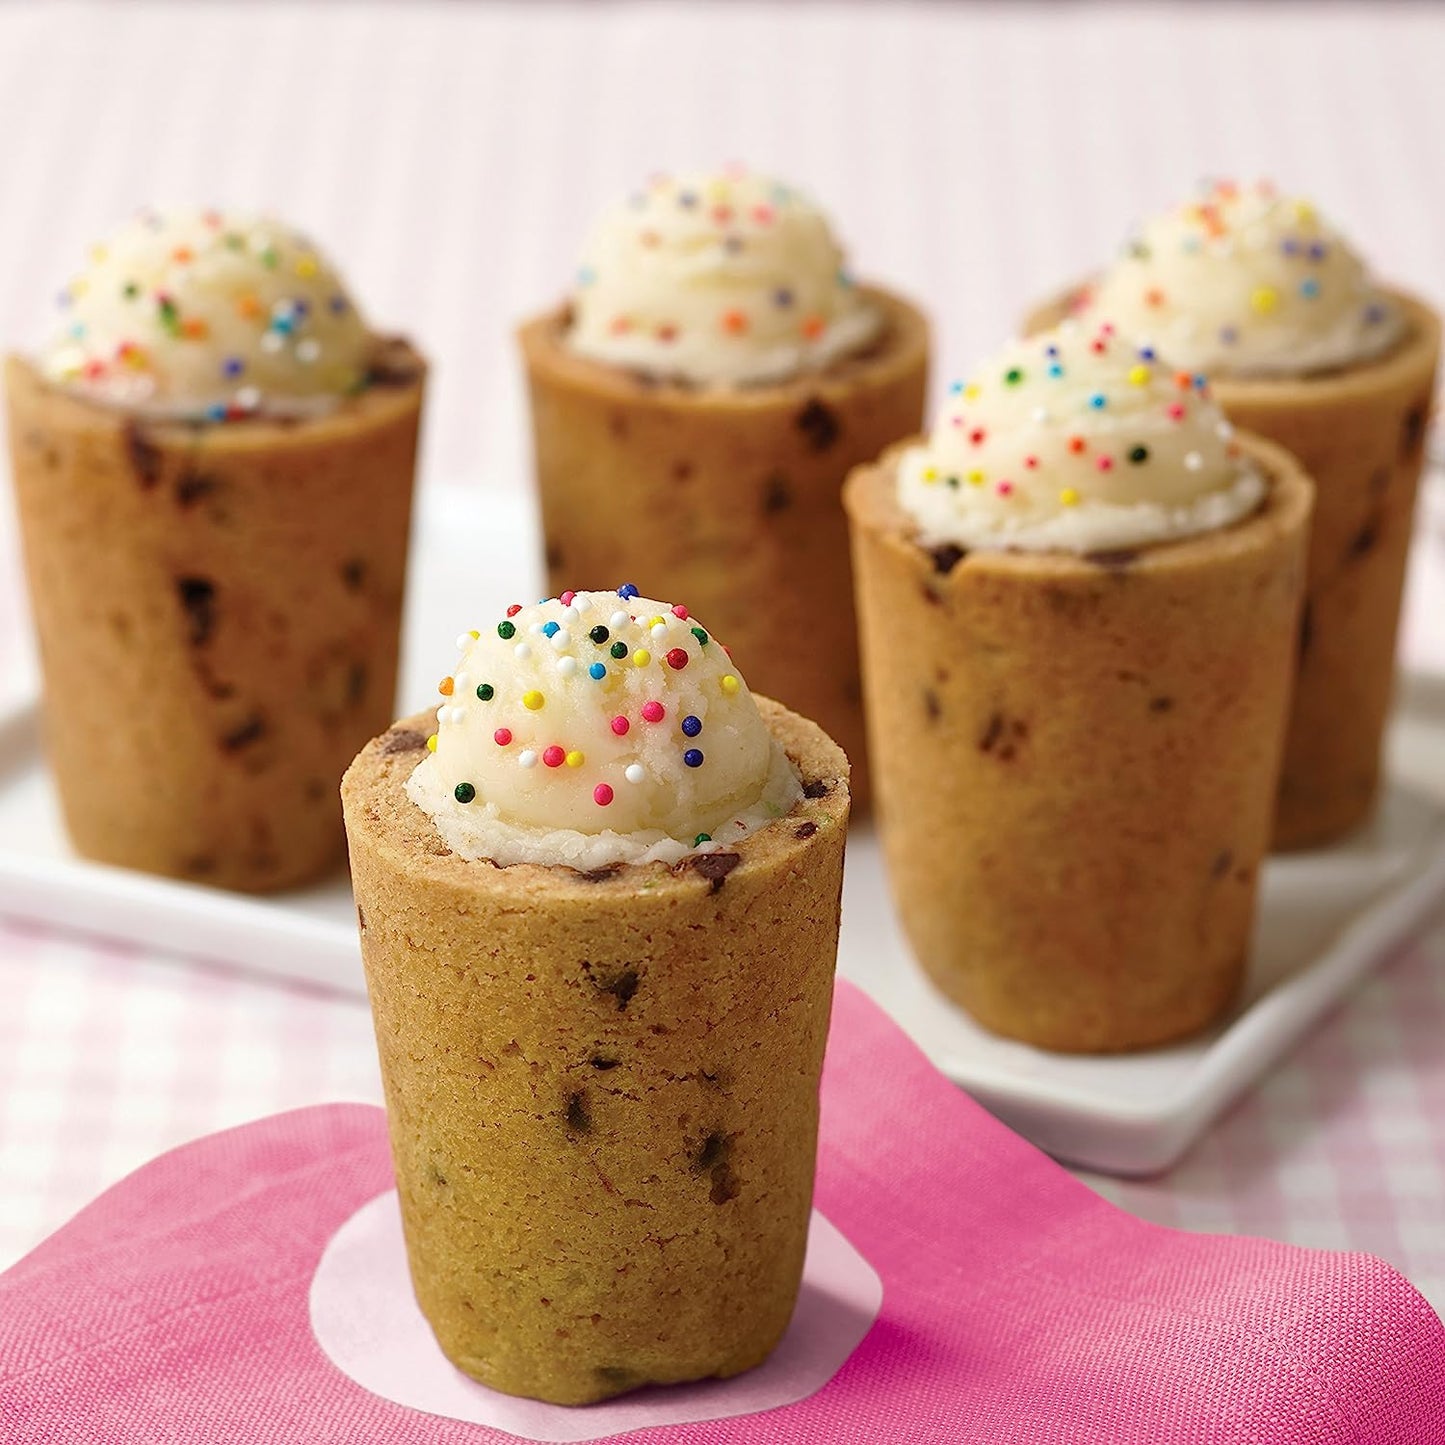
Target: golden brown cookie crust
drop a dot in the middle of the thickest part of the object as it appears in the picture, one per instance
(218, 611)
(1075, 759)
(601, 1087)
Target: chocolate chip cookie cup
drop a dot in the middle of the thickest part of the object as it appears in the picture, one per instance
(601, 1077)
(712, 383)
(1076, 747)
(216, 585)
(1357, 424)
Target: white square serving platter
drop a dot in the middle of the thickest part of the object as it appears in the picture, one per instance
(1326, 918)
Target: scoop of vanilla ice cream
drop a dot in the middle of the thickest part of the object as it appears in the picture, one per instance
(728, 278)
(1076, 440)
(594, 728)
(195, 313)
(1246, 282)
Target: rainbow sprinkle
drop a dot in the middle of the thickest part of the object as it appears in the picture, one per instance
(598, 651)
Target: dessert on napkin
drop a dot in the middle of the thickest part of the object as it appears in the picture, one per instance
(598, 897)
(1306, 348)
(1017, 1304)
(696, 405)
(1079, 597)
(213, 464)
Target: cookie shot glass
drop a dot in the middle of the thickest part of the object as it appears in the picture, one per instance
(213, 464)
(713, 376)
(598, 896)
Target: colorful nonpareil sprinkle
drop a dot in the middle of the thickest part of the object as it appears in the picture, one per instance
(721, 278)
(1133, 366)
(1075, 439)
(205, 316)
(1247, 281)
(585, 729)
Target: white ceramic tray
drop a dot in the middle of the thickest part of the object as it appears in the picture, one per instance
(1326, 918)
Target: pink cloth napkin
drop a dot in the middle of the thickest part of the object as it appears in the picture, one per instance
(1017, 1305)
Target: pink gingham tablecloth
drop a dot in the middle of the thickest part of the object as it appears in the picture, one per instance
(1015, 1305)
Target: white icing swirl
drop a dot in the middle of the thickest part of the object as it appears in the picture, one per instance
(718, 279)
(200, 315)
(1076, 440)
(597, 728)
(1245, 282)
